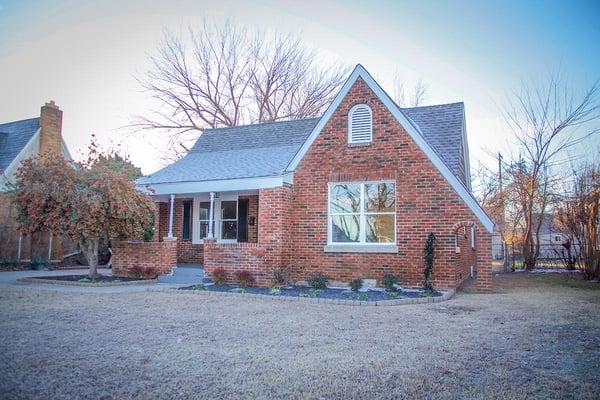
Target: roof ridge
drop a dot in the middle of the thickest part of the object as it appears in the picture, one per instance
(17, 121)
(260, 124)
(432, 105)
(239, 149)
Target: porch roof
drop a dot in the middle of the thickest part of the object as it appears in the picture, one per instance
(251, 151)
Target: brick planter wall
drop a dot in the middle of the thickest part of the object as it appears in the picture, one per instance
(235, 257)
(129, 254)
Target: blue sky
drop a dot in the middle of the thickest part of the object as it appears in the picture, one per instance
(84, 55)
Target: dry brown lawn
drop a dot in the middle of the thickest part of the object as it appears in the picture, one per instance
(538, 336)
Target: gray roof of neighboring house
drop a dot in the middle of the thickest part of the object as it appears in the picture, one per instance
(442, 126)
(13, 138)
(267, 149)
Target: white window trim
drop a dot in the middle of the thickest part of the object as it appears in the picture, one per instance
(362, 244)
(472, 237)
(219, 233)
(216, 215)
(350, 141)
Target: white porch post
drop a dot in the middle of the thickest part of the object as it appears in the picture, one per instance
(211, 215)
(171, 213)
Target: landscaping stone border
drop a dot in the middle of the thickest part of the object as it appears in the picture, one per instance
(89, 284)
(394, 302)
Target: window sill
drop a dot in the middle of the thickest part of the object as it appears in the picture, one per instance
(345, 248)
(359, 144)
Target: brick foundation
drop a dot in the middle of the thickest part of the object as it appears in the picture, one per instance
(130, 254)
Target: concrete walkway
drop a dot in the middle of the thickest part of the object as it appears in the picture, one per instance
(9, 279)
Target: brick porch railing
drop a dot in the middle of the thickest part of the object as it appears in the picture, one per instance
(129, 254)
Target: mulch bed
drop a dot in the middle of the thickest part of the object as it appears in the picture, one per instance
(329, 293)
(84, 280)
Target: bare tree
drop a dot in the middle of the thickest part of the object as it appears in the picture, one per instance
(413, 97)
(578, 214)
(546, 120)
(225, 75)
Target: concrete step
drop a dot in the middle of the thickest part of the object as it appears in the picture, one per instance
(182, 280)
(188, 274)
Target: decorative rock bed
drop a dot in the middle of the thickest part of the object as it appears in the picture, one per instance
(372, 297)
(84, 280)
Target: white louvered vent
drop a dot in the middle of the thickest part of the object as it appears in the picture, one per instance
(360, 124)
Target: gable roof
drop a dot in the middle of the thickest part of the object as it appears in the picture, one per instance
(442, 127)
(248, 151)
(411, 128)
(14, 136)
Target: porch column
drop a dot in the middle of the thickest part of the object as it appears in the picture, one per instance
(171, 213)
(211, 215)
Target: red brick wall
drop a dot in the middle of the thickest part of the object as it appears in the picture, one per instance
(274, 241)
(425, 202)
(235, 257)
(129, 254)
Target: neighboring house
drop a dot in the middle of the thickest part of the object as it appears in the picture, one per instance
(551, 237)
(352, 194)
(20, 140)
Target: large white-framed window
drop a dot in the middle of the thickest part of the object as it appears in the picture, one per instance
(360, 124)
(362, 213)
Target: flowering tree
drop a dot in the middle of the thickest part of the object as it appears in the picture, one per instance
(88, 202)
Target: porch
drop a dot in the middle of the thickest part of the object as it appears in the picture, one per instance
(192, 219)
(234, 230)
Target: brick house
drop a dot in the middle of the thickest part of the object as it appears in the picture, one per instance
(352, 194)
(20, 140)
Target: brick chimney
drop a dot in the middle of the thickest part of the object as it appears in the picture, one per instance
(51, 128)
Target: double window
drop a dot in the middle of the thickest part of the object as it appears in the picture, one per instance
(362, 213)
(228, 221)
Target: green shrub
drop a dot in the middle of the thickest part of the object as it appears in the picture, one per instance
(274, 291)
(356, 284)
(389, 282)
(39, 264)
(318, 281)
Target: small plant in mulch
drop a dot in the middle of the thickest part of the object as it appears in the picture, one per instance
(360, 296)
(390, 281)
(429, 256)
(394, 294)
(245, 278)
(312, 293)
(275, 291)
(219, 276)
(356, 284)
(199, 286)
(238, 290)
(87, 280)
(318, 281)
(281, 276)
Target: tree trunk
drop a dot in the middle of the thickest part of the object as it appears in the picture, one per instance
(90, 251)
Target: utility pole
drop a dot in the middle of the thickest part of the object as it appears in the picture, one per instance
(502, 215)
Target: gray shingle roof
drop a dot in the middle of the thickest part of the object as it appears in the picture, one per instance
(267, 149)
(239, 152)
(13, 138)
(441, 126)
